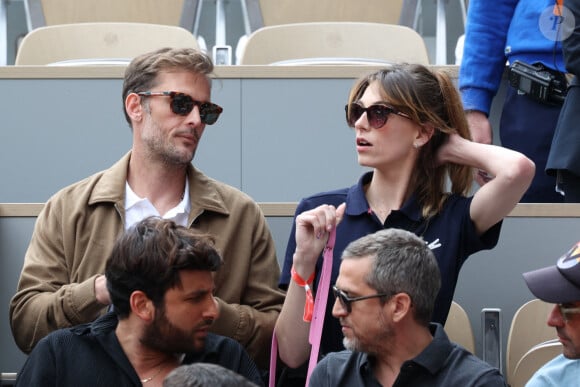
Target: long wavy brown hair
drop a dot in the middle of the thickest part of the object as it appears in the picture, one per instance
(427, 96)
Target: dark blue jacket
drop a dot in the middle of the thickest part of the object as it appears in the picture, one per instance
(565, 150)
(90, 355)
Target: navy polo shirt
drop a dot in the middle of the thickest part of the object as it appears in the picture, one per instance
(441, 363)
(451, 235)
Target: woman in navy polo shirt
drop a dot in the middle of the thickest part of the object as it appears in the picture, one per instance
(409, 126)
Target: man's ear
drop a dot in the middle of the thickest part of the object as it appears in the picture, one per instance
(142, 306)
(133, 107)
(401, 306)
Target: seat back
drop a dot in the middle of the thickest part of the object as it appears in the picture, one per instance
(276, 12)
(94, 43)
(533, 360)
(458, 327)
(334, 42)
(527, 329)
(42, 13)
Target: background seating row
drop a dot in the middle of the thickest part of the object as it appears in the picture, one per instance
(253, 14)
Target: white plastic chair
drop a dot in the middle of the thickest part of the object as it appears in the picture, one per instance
(528, 328)
(42, 13)
(98, 43)
(458, 327)
(533, 360)
(334, 42)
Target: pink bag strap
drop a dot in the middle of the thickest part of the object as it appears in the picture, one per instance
(320, 304)
(317, 322)
(273, 360)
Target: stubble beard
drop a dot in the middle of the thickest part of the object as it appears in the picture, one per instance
(165, 337)
(571, 352)
(374, 347)
(166, 152)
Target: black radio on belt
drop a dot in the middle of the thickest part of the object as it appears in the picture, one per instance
(538, 82)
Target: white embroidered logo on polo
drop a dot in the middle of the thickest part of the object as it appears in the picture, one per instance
(433, 245)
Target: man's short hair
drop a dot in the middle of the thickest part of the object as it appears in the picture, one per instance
(402, 263)
(142, 72)
(149, 256)
(203, 375)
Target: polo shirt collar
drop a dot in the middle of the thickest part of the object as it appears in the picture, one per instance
(357, 204)
(365, 367)
(434, 356)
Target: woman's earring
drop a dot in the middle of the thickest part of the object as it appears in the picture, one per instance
(415, 145)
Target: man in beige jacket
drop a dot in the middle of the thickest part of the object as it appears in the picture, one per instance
(166, 97)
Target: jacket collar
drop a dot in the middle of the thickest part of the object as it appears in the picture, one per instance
(110, 187)
(204, 192)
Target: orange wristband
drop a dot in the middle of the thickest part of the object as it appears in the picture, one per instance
(309, 305)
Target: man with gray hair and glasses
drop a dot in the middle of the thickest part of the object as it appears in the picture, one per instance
(385, 292)
(560, 284)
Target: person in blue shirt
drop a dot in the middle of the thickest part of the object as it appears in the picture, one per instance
(410, 129)
(560, 284)
(507, 31)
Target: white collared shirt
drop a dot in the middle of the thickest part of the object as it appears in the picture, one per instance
(137, 209)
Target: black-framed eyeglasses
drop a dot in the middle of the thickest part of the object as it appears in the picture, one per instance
(377, 114)
(567, 312)
(182, 104)
(346, 301)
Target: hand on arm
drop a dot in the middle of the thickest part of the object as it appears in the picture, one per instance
(101, 291)
(512, 171)
(312, 231)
